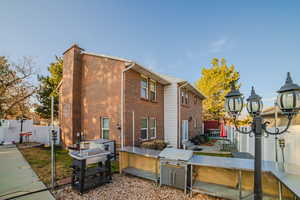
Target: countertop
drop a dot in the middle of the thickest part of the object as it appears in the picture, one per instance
(141, 151)
(288, 174)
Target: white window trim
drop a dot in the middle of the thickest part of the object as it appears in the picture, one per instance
(182, 96)
(155, 128)
(155, 90)
(195, 99)
(186, 98)
(147, 88)
(147, 135)
(102, 126)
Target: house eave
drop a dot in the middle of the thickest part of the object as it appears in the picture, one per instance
(152, 75)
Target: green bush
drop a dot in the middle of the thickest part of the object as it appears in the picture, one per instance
(154, 144)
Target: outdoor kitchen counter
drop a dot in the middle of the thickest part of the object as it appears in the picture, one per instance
(141, 151)
(140, 162)
(289, 175)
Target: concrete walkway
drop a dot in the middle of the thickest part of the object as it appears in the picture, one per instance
(17, 177)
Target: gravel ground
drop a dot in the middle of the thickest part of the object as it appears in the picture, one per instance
(129, 188)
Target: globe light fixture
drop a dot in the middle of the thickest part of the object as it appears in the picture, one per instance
(288, 101)
(288, 98)
(234, 101)
(254, 103)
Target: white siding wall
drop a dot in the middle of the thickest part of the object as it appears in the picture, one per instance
(170, 114)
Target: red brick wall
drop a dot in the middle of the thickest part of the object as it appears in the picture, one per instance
(192, 111)
(101, 96)
(91, 89)
(70, 105)
(142, 108)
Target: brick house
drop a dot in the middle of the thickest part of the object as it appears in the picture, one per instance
(107, 97)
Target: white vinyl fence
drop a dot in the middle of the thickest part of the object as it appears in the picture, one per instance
(245, 143)
(10, 131)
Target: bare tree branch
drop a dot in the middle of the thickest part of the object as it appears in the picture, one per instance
(15, 85)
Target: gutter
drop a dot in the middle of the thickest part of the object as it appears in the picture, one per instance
(122, 102)
(179, 111)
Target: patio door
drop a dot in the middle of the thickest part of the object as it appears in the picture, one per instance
(185, 130)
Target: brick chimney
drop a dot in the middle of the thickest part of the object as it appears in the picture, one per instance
(70, 99)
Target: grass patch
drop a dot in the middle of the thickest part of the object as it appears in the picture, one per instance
(213, 154)
(40, 160)
(114, 166)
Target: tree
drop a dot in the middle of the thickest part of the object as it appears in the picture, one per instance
(15, 87)
(215, 84)
(48, 85)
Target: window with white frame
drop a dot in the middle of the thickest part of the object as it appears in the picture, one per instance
(186, 97)
(144, 87)
(195, 123)
(144, 128)
(105, 128)
(152, 128)
(182, 96)
(152, 90)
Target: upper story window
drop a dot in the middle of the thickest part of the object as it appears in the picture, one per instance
(186, 97)
(152, 90)
(195, 99)
(182, 96)
(144, 88)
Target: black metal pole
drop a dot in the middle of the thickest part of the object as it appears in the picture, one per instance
(21, 130)
(257, 165)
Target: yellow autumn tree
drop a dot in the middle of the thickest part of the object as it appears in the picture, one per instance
(215, 84)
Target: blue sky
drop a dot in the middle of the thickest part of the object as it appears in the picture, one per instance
(261, 38)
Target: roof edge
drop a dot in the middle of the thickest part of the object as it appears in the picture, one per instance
(73, 46)
(107, 56)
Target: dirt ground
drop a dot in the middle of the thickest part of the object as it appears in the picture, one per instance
(129, 188)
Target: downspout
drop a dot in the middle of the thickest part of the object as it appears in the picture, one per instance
(122, 103)
(133, 129)
(179, 111)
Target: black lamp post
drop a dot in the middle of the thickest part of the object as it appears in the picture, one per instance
(289, 103)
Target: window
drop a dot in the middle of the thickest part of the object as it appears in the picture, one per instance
(186, 97)
(144, 88)
(152, 128)
(195, 99)
(105, 128)
(195, 123)
(152, 90)
(144, 128)
(182, 97)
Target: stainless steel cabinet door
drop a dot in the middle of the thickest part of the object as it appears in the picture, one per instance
(179, 177)
(166, 175)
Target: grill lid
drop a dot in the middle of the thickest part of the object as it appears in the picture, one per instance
(90, 153)
(176, 154)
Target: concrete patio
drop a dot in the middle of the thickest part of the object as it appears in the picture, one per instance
(17, 177)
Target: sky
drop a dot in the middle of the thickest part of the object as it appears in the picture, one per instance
(179, 38)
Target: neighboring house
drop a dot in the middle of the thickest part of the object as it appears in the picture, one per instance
(108, 97)
(268, 114)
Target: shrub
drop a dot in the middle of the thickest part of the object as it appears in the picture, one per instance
(199, 139)
(154, 144)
